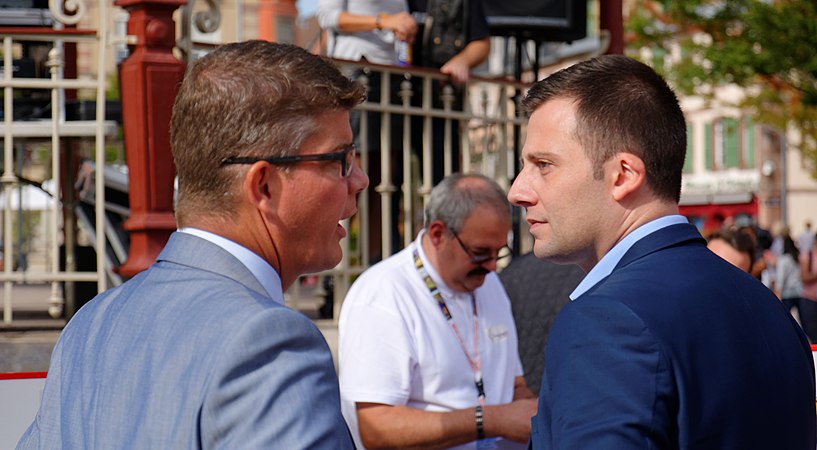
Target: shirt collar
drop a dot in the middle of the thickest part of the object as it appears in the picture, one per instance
(447, 292)
(609, 261)
(261, 270)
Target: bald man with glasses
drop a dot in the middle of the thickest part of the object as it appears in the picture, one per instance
(428, 349)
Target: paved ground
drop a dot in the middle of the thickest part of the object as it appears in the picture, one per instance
(26, 343)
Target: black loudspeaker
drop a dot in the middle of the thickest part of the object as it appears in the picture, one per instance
(541, 20)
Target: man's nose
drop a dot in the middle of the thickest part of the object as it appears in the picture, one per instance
(359, 180)
(518, 193)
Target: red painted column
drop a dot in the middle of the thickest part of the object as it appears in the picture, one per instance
(149, 77)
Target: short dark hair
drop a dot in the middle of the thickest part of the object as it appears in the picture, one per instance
(622, 105)
(253, 98)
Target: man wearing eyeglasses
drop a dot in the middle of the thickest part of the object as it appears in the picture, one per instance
(199, 351)
(428, 350)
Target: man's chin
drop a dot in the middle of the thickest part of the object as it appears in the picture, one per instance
(475, 281)
(547, 253)
(554, 257)
(331, 259)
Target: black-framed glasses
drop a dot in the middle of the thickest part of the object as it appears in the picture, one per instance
(345, 156)
(482, 258)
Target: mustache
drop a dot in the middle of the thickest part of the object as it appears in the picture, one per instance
(479, 271)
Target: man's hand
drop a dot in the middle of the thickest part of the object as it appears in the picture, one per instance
(403, 25)
(521, 389)
(511, 420)
(457, 69)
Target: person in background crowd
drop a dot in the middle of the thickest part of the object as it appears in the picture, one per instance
(665, 345)
(467, 18)
(808, 272)
(446, 24)
(763, 241)
(366, 30)
(737, 247)
(779, 233)
(199, 351)
(805, 240)
(788, 286)
(428, 349)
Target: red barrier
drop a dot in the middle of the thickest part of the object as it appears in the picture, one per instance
(22, 375)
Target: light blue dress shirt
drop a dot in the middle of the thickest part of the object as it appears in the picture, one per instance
(261, 270)
(609, 261)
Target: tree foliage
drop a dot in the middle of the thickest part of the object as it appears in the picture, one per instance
(769, 47)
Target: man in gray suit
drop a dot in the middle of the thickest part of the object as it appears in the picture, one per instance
(199, 351)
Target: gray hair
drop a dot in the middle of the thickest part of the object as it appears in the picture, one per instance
(453, 199)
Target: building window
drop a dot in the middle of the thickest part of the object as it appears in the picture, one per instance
(730, 144)
(748, 146)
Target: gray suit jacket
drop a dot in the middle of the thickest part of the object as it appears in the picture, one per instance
(192, 353)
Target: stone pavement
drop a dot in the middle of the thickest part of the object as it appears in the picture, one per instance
(26, 343)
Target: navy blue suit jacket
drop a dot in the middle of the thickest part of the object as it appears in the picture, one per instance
(676, 349)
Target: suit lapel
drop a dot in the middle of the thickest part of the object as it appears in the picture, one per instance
(195, 252)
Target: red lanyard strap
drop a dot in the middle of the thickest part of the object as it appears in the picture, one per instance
(474, 362)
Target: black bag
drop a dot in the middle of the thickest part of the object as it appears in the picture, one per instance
(445, 32)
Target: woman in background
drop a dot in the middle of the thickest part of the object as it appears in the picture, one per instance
(789, 287)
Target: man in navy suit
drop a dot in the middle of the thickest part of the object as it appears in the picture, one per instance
(199, 351)
(665, 345)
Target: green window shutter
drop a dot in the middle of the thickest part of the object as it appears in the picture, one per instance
(658, 55)
(708, 150)
(749, 143)
(731, 143)
(688, 158)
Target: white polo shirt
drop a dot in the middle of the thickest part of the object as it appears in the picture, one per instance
(396, 347)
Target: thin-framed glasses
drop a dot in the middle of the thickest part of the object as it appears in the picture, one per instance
(482, 258)
(345, 156)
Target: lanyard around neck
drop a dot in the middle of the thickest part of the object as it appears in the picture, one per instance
(474, 362)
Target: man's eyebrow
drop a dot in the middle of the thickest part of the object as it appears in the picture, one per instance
(537, 154)
(344, 146)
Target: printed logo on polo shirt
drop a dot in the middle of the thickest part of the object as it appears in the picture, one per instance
(498, 333)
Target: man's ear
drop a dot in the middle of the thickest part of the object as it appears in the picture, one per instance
(435, 231)
(262, 186)
(628, 174)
